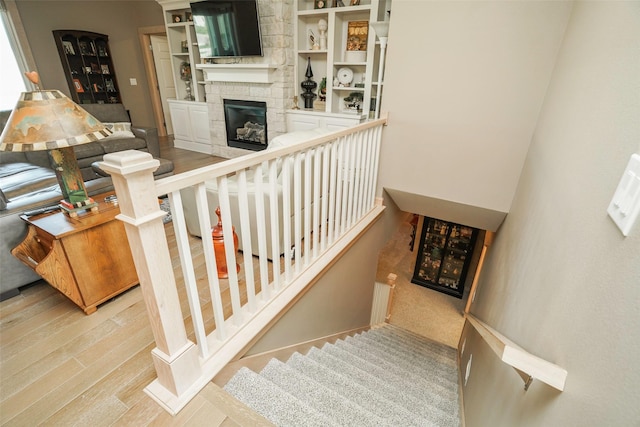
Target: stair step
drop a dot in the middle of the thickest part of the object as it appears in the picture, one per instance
(416, 343)
(272, 402)
(418, 388)
(324, 400)
(366, 398)
(414, 355)
(411, 371)
(428, 409)
(383, 377)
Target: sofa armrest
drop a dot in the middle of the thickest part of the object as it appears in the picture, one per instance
(150, 135)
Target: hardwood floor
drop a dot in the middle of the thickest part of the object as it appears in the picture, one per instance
(61, 367)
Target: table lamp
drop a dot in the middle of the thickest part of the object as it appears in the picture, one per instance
(49, 120)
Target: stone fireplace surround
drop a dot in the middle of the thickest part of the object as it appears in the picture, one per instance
(276, 27)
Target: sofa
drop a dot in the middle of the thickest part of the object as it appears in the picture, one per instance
(28, 182)
(191, 214)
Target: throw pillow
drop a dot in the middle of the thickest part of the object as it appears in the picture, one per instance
(119, 129)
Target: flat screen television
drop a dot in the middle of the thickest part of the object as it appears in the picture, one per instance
(227, 28)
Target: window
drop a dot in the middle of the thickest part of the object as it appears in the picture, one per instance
(12, 82)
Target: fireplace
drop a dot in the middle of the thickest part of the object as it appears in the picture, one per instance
(246, 124)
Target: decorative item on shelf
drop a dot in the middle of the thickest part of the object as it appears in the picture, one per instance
(78, 85)
(68, 47)
(356, 49)
(48, 120)
(294, 103)
(102, 51)
(110, 86)
(338, 3)
(218, 247)
(355, 3)
(176, 18)
(345, 77)
(313, 41)
(321, 103)
(322, 90)
(185, 75)
(382, 32)
(354, 101)
(188, 16)
(308, 85)
(184, 46)
(319, 4)
(322, 29)
(87, 48)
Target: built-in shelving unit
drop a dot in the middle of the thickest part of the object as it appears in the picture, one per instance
(327, 59)
(189, 110)
(183, 48)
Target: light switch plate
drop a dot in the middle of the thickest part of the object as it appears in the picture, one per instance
(625, 205)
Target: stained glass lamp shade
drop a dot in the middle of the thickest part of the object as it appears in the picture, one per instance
(48, 120)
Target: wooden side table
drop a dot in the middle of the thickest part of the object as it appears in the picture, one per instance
(87, 258)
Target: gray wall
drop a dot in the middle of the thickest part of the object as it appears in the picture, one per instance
(464, 84)
(340, 301)
(119, 20)
(560, 279)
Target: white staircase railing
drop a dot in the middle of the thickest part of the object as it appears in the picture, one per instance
(326, 186)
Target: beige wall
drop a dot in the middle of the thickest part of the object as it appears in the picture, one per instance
(340, 301)
(560, 279)
(117, 19)
(464, 83)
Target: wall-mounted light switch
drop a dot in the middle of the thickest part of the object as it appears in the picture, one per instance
(625, 205)
(133, 81)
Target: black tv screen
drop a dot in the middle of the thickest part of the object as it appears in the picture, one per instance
(227, 28)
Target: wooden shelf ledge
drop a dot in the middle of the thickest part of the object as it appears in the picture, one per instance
(520, 359)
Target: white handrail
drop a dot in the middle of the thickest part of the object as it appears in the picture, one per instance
(328, 203)
(510, 353)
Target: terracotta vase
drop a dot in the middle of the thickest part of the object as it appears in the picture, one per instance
(218, 247)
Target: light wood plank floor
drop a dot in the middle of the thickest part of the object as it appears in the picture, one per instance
(60, 367)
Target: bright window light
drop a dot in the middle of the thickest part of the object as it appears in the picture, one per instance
(11, 83)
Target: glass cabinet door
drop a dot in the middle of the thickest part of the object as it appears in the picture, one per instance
(443, 256)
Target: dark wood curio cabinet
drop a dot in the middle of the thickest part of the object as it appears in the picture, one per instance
(88, 66)
(444, 256)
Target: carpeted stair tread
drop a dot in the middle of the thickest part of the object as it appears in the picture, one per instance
(370, 400)
(410, 383)
(395, 391)
(443, 353)
(324, 400)
(386, 376)
(397, 348)
(392, 329)
(427, 372)
(281, 408)
(412, 340)
(411, 357)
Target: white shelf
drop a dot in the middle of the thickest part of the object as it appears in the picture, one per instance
(240, 73)
(326, 63)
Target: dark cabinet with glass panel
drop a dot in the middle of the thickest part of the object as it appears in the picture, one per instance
(444, 255)
(88, 66)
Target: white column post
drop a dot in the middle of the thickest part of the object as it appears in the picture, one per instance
(175, 357)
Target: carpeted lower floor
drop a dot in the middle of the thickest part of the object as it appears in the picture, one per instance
(424, 311)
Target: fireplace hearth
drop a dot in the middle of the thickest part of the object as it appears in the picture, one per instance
(246, 124)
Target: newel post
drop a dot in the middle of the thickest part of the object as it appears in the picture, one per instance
(175, 357)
